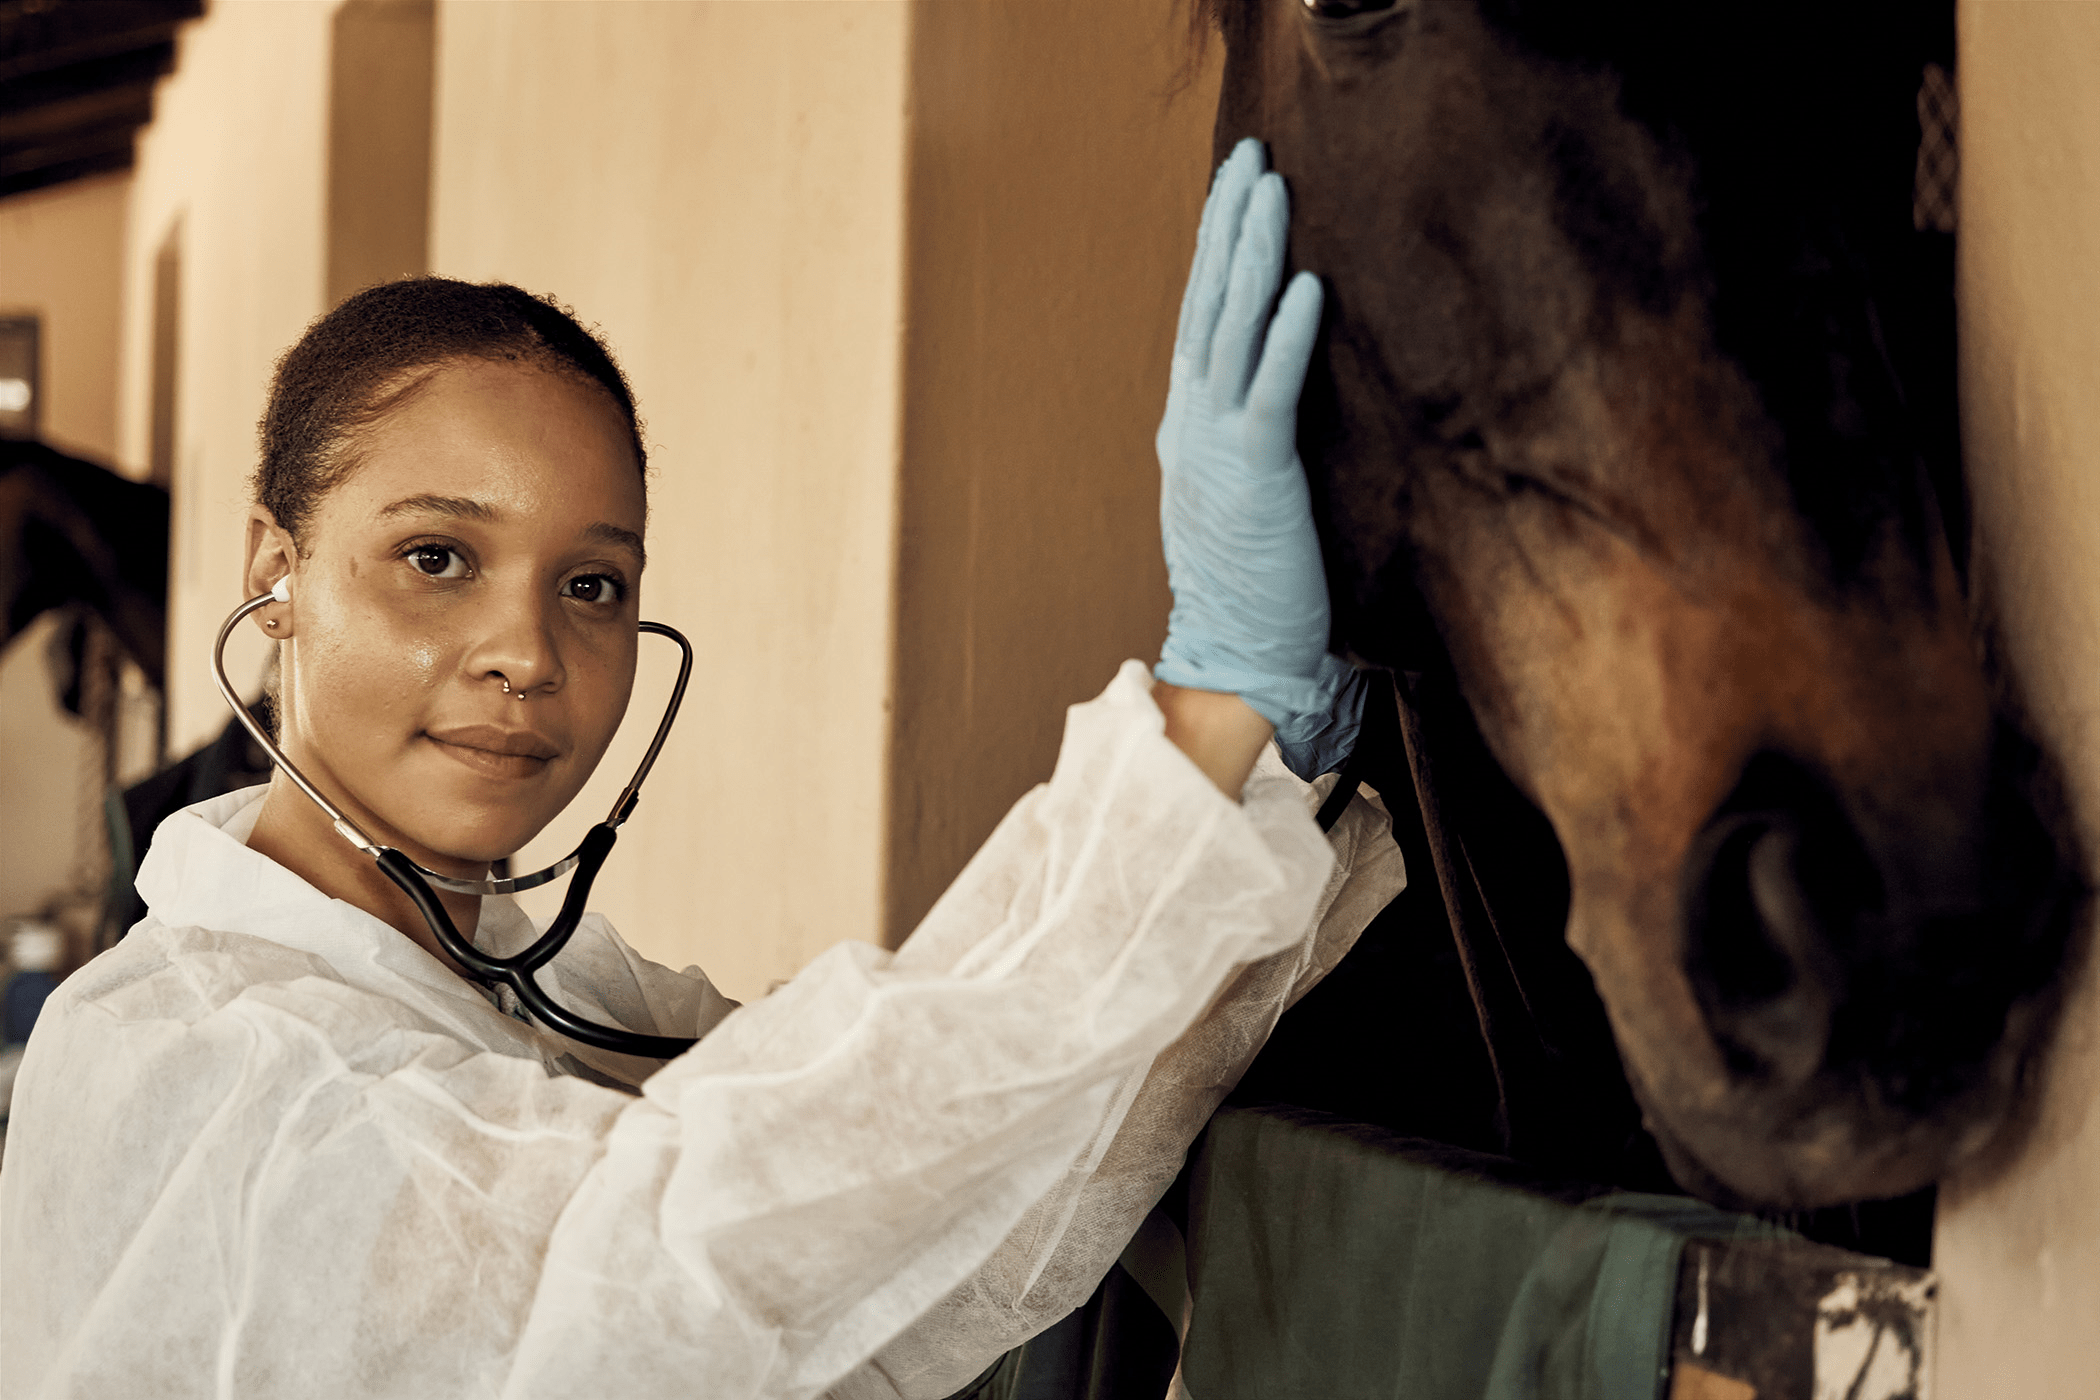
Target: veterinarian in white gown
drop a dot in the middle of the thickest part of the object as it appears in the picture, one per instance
(314, 1161)
(269, 1146)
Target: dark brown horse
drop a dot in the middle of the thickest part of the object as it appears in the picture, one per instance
(1634, 440)
(73, 534)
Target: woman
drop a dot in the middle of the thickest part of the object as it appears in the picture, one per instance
(274, 1143)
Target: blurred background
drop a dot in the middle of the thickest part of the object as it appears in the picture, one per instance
(895, 281)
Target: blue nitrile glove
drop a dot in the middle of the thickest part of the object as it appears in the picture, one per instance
(1250, 599)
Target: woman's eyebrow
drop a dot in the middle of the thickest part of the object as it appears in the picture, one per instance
(618, 536)
(439, 505)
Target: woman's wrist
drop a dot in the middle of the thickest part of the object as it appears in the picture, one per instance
(1221, 733)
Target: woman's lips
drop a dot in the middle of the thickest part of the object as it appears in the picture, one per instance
(494, 751)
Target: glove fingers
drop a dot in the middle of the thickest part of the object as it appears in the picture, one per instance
(1280, 377)
(1257, 268)
(1216, 238)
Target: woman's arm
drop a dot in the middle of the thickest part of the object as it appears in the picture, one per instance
(1220, 733)
(232, 1171)
(1251, 615)
(236, 1171)
(836, 1159)
(1066, 1243)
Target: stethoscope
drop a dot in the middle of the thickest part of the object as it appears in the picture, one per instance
(516, 971)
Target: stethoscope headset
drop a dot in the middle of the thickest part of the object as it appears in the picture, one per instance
(516, 971)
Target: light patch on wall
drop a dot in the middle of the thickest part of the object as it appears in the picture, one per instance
(18, 376)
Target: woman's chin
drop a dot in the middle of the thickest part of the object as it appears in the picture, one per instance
(465, 850)
(479, 826)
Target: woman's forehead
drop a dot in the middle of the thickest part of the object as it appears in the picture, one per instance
(501, 442)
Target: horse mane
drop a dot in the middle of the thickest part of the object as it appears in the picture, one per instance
(1202, 22)
(1585, 31)
(1723, 91)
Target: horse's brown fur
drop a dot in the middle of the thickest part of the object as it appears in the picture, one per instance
(1683, 557)
(73, 533)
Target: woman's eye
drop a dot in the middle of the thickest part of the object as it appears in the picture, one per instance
(438, 561)
(593, 588)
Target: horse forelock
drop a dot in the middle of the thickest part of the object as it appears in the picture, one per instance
(1720, 97)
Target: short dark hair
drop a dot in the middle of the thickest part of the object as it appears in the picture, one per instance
(359, 361)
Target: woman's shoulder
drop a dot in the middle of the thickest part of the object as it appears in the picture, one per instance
(208, 1007)
(158, 972)
(158, 1027)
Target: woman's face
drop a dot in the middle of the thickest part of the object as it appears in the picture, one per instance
(490, 535)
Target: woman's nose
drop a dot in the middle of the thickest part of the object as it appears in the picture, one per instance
(518, 651)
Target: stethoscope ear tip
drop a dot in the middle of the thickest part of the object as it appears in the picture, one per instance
(282, 589)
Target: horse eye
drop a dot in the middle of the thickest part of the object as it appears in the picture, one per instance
(1346, 9)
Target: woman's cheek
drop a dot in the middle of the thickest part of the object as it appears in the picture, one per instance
(425, 660)
(611, 693)
(363, 684)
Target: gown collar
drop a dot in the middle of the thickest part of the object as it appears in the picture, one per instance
(200, 872)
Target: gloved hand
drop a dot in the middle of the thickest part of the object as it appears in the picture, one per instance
(1250, 599)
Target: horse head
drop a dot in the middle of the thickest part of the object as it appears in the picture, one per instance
(1634, 415)
(74, 534)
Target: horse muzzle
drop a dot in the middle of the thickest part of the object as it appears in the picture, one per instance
(1873, 984)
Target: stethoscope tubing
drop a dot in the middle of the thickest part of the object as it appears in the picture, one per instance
(415, 881)
(516, 971)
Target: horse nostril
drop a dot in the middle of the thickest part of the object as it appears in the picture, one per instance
(1750, 915)
(1776, 887)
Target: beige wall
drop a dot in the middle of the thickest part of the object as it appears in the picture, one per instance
(235, 154)
(2018, 1245)
(1057, 174)
(858, 258)
(60, 252)
(878, 271)
(718, 188)
(50, 803)
(381, 83)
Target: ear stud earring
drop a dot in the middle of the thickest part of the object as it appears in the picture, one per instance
(271, 623)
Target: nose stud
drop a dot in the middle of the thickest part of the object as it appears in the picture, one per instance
(508, 691)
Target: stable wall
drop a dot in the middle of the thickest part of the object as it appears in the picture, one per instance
(895, 284)
(60, 249)
(60, 254)
(228, 196)
(718, 187)
(2018, 1243)
(1059, 158)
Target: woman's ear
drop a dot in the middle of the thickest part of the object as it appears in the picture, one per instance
(271, 554)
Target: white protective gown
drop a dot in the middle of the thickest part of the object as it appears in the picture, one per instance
(269, 1147)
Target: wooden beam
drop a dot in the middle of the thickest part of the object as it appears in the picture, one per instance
(77, 82)
(130, 105)
(92, 154)
(39, 37)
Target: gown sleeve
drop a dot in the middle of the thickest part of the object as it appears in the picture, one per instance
(237, 1175)
(1064, 1245)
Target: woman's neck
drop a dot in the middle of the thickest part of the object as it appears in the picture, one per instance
(298, 835)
